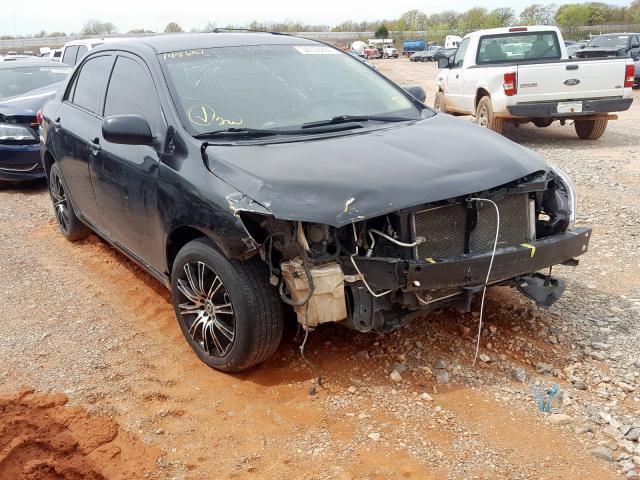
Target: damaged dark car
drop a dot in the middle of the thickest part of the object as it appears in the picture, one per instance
(255, 172)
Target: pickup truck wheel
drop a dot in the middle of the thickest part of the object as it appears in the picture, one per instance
(485, 116)
(438, 102)
(68, 222)
(591, 129)
(227, 310)
(542, 122)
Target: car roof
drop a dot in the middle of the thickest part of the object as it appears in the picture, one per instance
(36, 62)
(91, 41)
(193, 41)
(615, 34)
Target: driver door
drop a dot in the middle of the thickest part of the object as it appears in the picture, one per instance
(455, 79)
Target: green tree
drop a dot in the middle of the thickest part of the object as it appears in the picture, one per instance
(571, 16)
(538, 14)
(382, 32)
(96, 27)
(414, 20)
(173, 27)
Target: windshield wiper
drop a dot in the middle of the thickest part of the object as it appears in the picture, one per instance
(259, 132)
(357, 118)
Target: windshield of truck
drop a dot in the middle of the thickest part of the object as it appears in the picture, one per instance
(276, 86)
(520, 46)
(609, 41)
(22, 79)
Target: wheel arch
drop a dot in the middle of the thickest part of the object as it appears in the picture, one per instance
(481, 92)
(48, 159)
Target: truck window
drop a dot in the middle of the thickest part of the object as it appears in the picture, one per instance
(459, 56)
(70, 55)
(523, 46)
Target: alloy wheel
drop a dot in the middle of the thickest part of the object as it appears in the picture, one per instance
(60, 204)
(206, 309)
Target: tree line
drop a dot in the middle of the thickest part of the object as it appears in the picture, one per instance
(568, 17)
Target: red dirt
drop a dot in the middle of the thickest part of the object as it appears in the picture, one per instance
(41, 439)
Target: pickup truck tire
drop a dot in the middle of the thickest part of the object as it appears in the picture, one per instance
(231, 299)
(591, 129)
(438, 102)
(485, 116)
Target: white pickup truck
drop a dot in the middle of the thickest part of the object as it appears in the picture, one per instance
(523, 74)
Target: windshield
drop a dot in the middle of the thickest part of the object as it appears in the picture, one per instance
(518, 46)
(276, 86)
(609, 41)
(19, 80)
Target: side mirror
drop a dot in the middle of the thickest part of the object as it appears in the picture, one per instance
(583, 46)
(127, 130)
(417, 92)
(444, 62)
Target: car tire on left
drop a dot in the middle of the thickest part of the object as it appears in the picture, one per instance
(68, 222)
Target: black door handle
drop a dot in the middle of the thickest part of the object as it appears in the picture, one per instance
(572, 67)
(457, 75)
(56, 124)
(94, 146)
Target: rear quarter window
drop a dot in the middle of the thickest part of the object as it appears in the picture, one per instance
(517, 47)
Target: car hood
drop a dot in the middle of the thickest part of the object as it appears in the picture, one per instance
(339, 180)
(599, 52)
(30, 102)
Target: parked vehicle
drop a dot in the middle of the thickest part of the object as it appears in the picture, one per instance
(53, 54)
(371, 52)
(410, 46)
(384, 46)
(574, 47)
(452, 41)
(363, 60)
(539, 84)
(24, 88)
(443, 53)
(425, 55)
(612, 45)
(245, 179)
(73, 51)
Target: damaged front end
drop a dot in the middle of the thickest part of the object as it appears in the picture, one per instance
(378, 273)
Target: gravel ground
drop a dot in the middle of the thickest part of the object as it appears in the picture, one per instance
(82, 320)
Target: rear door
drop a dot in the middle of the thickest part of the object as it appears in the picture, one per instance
(578, 79)
(125, 177)
(74, 121)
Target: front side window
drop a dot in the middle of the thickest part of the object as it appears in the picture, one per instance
(17, 81)
(70, 55)
(609, 41)
(276, 86)
(82, 51)
(90, 82)
(458, 59)
(523, 46)
(131, 91)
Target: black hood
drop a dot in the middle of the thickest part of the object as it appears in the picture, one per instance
(28, 103)
(339, 180)
(589, 52)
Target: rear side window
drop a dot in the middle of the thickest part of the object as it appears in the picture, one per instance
(70, 55)
(131, 91)
(82, 51)
(90, 82)
(523, 46)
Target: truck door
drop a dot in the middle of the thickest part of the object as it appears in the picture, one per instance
(455, 80)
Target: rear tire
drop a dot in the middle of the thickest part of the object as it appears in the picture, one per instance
(228, 311)
(68, 222)
(485, 116)
(591, 129)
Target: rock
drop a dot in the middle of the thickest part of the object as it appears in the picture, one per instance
(440, 364)
(605, 417)
(419, 345)
(400, 367)
(636, 460)
(627, 466)
(603, 452)
(627, 445)
(632, 474)
(493, 329)
(600, 345)
(395, 376)
(363, 355)
(542, 367)
(442, 376)
(375, 436)
(426, 397)
(484, 358)
(626, 388)
(579, 385)
(352, 389)
(519, 374)
(559, 419)
(633, 434)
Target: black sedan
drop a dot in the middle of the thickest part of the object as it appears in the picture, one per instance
(444, 53)
(237, 172)
(25, 86)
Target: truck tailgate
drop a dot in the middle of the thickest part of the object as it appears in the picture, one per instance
(568, 80)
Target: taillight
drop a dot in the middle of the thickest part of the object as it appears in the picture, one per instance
(39, 117)
(629, 75)
(510, 84)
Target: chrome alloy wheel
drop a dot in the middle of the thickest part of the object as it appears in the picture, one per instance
(206, 311)
(59, 197)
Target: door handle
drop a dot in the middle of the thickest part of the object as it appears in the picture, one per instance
(94, 146)
(457, 75)
(56, 124)
(572, 67)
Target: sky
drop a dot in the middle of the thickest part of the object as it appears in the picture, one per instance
(70, 15)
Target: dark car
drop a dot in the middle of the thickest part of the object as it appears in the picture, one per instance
(444, 53)
(611, 45)
(24, 88)
(244, 178)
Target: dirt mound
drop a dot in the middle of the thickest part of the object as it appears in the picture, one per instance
(41, 439)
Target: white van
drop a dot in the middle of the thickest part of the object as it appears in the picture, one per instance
(73, 51)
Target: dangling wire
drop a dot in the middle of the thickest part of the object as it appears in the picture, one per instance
(486, 281)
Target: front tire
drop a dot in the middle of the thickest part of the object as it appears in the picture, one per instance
(228, 311)
(591, 129)
(68, 222)
(485, 116)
